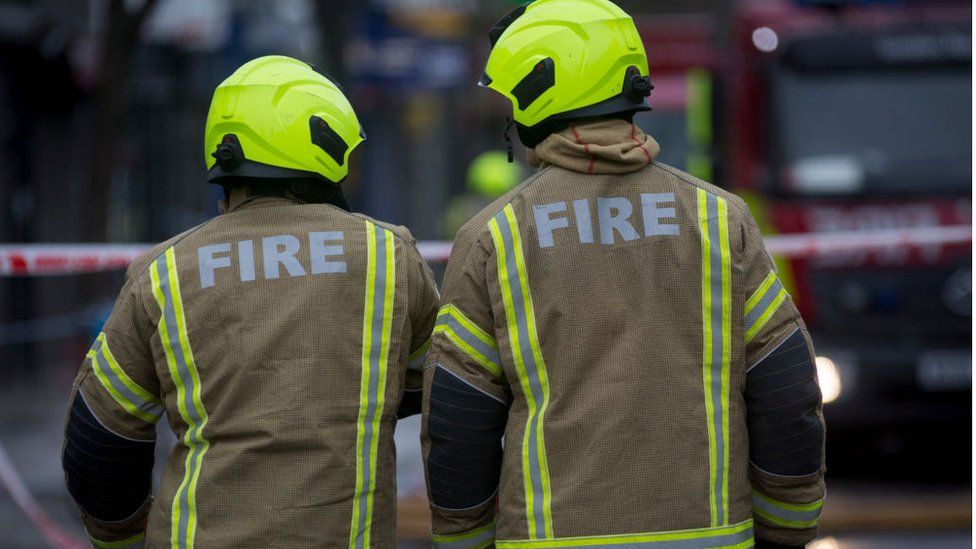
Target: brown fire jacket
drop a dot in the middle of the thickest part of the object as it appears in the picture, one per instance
(615, 362)
(280, 340)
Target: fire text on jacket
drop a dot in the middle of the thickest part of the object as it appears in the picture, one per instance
(613, 219)
(278, 253)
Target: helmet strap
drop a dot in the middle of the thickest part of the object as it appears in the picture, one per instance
(508, 139)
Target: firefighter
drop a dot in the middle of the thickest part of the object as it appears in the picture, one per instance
(619, 324)
(282, 339)
(490, 175)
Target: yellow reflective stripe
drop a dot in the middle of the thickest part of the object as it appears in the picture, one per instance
(760, 292)
(377, 328)
(451, 310)
(507, 299)
(127, 393)
(114, 364)
(789, 515)
(707, 349)
(764, 318)
(763, 304)
(529, 363)
(478, 538)
(479, 358)
(540, 364)
(202, 444)
(796, 524)
(182, 368)
(180, 389)
(357, 519)
(726, 537)
(802, 507)
(135, 542)
(415, 360)
(469, 338)
(716, 344)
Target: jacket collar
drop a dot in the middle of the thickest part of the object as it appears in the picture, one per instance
(240, 198)
(601, 147)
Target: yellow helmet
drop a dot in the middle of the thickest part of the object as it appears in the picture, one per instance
(277, 117)
(567, 59)
(491, 175)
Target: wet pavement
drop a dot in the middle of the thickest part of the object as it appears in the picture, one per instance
(857, 516)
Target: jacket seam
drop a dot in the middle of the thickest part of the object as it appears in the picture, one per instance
(110, 523)
(464, 381)
(773, 349)
(809, 476)
(102, 423)
(379, 225)
(491, 497)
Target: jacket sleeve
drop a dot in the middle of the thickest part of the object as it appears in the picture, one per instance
(110, 430)
(466, 401)
(783, 404)
(423, 313)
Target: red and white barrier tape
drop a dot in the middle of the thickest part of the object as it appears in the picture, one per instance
(815, 245)
(65, 259)
(55, 536)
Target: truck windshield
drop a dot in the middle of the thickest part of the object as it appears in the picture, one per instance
(879, 131)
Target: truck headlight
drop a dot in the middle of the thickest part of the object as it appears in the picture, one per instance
(829, 376)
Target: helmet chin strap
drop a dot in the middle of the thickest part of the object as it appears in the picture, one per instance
(508, 139)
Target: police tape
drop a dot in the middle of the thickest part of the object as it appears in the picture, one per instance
(29, 260)
(55, 535)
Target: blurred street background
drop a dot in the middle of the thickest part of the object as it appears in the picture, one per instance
(830, 117)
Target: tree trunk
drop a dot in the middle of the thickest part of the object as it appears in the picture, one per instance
(334, 18)
(121, 35)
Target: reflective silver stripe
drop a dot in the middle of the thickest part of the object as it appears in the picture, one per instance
(490, 354)
(711, 538)
(801, 515)
(417, 364)
(475, 539)
(718, 253)
(418, 358)
(104, 371)
(379, 314)
(716, 288)
(194, 437)
(539, 488)
(767, 299)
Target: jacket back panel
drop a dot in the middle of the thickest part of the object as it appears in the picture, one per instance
(274, 300)
(614, 264)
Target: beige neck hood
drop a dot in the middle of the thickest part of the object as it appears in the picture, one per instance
(602, 147)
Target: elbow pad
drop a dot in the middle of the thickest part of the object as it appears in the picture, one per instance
(465, 427)
(108, 475)
(782, 399)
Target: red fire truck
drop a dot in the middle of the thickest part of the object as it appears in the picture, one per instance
(858, 118)
(850, 117)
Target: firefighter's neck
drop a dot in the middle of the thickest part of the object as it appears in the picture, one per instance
(298, 191)
(240, 195)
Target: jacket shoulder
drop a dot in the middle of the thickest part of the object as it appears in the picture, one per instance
(477, 226)
(739, 206)
(139, 267)
(399, 231)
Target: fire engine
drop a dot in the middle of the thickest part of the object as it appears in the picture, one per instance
(849, 116)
